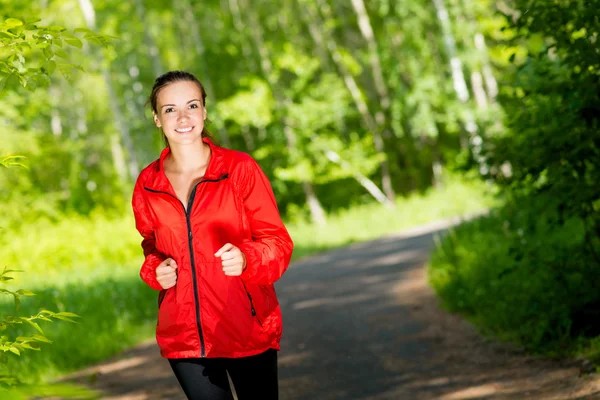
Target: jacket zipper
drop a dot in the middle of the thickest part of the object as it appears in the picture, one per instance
(191, 247)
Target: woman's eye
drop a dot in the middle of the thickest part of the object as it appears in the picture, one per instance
(168, 110)
(194, 106)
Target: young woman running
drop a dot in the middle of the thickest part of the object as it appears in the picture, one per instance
(214, 244)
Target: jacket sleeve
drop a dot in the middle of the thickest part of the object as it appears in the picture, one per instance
(269, 252)
(153, 257)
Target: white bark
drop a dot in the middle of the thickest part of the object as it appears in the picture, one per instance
(317, 213)
(458, 79)
(122, 129)
(55, 121)
(365, 182)
(490, 81)
(478, 90)
(369, 122)
(157, 68)
(366, 29)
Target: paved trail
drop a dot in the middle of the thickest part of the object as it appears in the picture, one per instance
(361, 323)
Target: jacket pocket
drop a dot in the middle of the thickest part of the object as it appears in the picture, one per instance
(252, 309)
(161, 296)
(168, 315)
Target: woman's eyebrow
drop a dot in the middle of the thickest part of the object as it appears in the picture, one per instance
(173, 105)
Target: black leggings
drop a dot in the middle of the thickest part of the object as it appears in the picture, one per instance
(253, 377)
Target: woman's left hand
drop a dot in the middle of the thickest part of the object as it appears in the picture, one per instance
(232, 260)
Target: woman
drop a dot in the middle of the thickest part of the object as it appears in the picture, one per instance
(214, 244)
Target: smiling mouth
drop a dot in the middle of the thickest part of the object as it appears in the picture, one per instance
(184, 130)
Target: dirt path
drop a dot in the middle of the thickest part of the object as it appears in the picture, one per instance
(362, 323)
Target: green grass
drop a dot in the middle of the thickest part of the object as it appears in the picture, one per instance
(372, 221)
(90, 267)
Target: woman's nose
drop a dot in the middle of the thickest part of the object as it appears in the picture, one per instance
(182, 116)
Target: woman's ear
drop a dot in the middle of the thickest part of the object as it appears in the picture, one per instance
(205, 113)
(156, 120)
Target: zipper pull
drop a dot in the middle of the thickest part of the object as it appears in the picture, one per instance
(190, 234)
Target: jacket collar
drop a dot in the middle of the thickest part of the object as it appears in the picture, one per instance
(158, 181)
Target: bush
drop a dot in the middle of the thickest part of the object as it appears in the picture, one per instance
(522, 275)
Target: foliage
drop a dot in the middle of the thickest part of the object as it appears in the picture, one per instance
(274, 91)
(22, 40)
(21, 343)
(523, 284)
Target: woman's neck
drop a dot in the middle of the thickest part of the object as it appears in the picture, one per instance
(189, 158)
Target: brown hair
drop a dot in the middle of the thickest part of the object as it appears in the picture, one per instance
(172, 77)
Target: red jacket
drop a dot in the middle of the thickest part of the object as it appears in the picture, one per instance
(209, 314)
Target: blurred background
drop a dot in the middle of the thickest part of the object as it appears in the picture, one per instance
(368, 116)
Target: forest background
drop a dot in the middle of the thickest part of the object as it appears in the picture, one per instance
(368, 117)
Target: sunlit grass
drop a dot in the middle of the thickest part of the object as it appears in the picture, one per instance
(372, 221)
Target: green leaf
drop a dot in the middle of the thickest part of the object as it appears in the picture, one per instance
(8, 271)
(36, 326)
(63, 318)
(13, 22)
(23, 80)
(32, 20)
(68, 314)
(94, 40)
(13, 349)
(56, 28)
(7, 35)
(43, 80)
(75, 42)
(41, 338)
(24, 292)
(48, 53)
(61, 53)
(12, 161)
(49, 67)
(85, 30)
(31, 346)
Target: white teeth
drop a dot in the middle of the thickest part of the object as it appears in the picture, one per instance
(183, 130)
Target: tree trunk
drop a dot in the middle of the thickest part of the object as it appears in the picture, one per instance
(55, 121)
(460, 85)
(366, 29)
(122, 128)
(490, 81)
(157, 67)
(478, 90)
(369, 122)
(317, 213)
(365, 182)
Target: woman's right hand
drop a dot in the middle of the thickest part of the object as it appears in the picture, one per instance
(166, 273)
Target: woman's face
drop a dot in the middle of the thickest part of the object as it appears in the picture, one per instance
(180, 112)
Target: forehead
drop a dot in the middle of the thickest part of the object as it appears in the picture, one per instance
(178, 93)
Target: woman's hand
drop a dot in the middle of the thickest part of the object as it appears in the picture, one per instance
(166, 273)
(232, 260)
